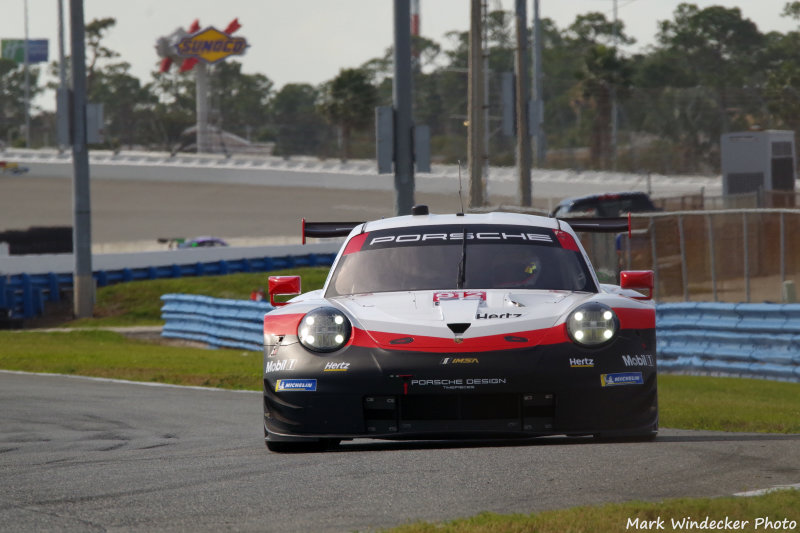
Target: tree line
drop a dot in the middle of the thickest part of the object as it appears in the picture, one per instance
(710, 71)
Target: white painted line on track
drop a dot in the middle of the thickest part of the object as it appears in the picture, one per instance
(127, 382)
(761, 492)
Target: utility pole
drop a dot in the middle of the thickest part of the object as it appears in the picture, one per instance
(475, 105)
(486, 122)
(27, 82)
(403, 123)
(63, 92)
(614, 124)
(538, 94)
(523, 138)
(82, 280)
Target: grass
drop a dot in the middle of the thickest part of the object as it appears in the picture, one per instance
(107, 354)
(138, 303)
(777, 506)
(729, 404)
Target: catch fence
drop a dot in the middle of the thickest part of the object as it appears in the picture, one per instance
(750, 200)
(738, 255)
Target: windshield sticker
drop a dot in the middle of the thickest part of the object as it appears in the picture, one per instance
(454, 234)
(458, 295)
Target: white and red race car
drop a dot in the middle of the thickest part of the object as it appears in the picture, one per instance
(460, 326)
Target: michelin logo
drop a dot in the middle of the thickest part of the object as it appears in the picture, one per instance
(623, 378)
(296, 384)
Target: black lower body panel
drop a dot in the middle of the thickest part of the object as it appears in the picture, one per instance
(549, 390)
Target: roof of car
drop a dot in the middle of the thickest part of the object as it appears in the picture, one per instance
(511, 219)
(602, 196)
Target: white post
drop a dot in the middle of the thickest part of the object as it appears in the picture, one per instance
(201, 82)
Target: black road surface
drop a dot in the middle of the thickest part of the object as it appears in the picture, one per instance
(78, 454)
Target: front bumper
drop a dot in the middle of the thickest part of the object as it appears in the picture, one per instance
(547, 390)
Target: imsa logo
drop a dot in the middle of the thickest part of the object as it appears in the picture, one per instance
(459, 361)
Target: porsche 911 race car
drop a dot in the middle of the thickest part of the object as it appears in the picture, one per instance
(460, 326)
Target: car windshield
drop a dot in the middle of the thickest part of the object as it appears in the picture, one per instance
(429, 258)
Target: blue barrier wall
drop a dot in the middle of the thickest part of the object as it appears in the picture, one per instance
(24, 296)
(746, 340)
(215, 321)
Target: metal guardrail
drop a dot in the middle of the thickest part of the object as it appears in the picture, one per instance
(743, 339)
(24, 296)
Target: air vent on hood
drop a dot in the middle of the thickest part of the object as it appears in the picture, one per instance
(459, 327)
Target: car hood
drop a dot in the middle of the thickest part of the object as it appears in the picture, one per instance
(427, 318)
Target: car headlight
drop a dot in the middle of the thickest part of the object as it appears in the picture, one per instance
(592, 325)
(324, 329)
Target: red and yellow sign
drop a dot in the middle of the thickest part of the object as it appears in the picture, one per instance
(211, 45)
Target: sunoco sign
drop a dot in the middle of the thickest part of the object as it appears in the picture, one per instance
(211, 45)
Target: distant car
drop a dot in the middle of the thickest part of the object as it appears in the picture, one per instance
(12, 168)
(604, 205)
(455, 326)
(202, 242)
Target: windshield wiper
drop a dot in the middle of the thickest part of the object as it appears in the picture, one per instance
(462, 267)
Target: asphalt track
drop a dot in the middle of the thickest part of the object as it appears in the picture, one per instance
(85, 455)
(132, 210)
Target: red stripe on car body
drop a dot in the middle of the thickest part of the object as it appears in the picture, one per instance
(422, 343)
(282, 324)
(630, 318)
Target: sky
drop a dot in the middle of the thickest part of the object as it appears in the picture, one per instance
(309, 41)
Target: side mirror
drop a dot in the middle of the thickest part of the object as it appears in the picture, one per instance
(283, 286)
(637, 280)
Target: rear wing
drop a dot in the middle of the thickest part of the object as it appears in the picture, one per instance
(327, 229)
(599, 225)
(590, 225)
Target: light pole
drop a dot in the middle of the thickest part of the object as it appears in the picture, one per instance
(83, 282)
(523, 137)
(27, 84)
(403, 123)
